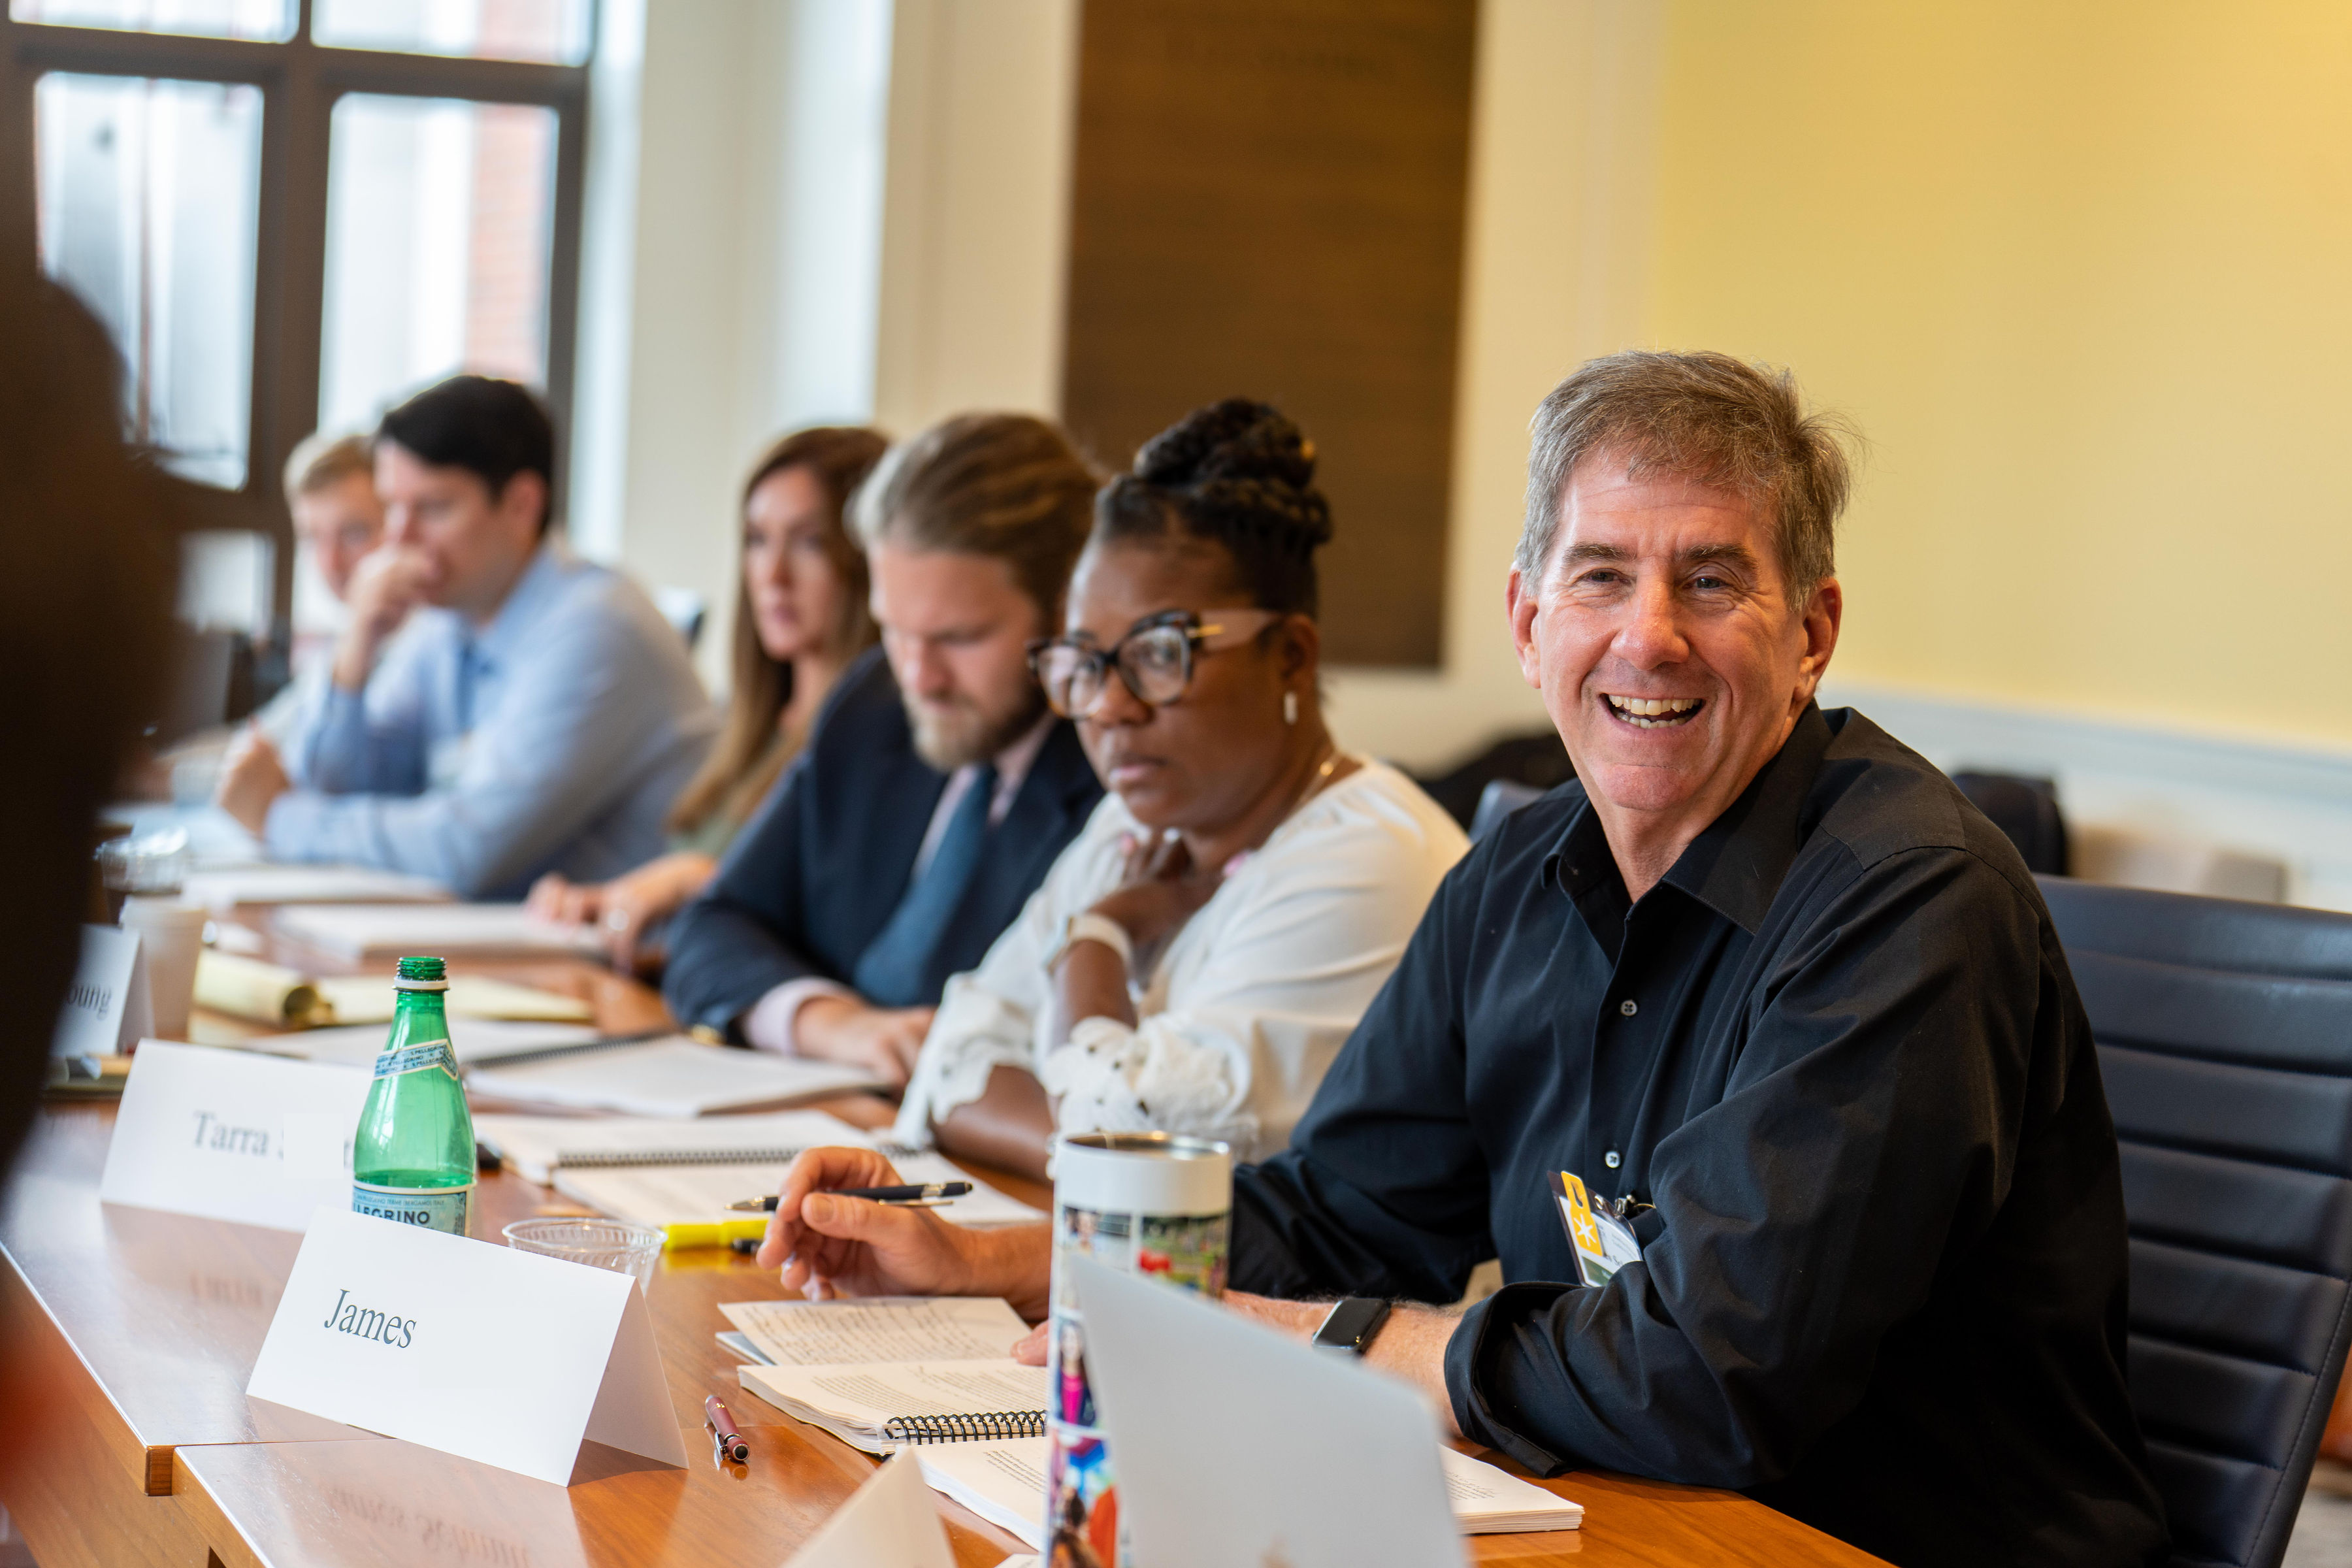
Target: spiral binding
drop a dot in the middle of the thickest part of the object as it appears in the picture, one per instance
(916, 1429)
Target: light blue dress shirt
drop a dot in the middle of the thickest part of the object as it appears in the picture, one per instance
(554, 739)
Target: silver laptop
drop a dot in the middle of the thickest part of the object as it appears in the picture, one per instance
(1235, 1446)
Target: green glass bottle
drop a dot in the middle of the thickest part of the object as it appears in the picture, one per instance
(413, 1160)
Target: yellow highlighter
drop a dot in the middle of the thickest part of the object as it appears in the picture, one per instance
(724, 1233)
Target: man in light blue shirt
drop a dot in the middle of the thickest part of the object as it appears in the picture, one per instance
(538, 715)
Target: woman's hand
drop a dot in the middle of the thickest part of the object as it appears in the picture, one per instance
(632, 905)
(835, 1246)
(1160, 889)
(564, 902)
(885, 1041)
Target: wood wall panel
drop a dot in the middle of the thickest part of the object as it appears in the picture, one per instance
(1269, 201)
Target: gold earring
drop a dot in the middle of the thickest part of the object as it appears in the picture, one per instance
(1290, 707)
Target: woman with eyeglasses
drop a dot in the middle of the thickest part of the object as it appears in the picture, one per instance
(1198, 955)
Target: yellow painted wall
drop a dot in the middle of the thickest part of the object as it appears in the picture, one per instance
(2083, 272)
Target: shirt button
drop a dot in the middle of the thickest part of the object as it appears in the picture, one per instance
(1629, 1007)
(1613, 1159)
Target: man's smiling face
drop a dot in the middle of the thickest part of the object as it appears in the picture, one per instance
(1661, 635)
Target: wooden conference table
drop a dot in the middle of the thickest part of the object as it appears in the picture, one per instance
(144, 1327)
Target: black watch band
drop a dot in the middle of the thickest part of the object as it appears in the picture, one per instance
(1350, 1325)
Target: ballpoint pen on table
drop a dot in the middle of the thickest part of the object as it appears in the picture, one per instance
(726, 1441)
(926, 1195)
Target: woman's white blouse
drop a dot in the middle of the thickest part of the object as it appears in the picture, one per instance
(1245, 1006)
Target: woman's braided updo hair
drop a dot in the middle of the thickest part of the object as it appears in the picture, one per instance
(1236, 473)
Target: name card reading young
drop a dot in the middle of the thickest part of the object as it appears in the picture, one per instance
(888, 1523)
(478, 1350)
(234, 1135)
(107, 1009)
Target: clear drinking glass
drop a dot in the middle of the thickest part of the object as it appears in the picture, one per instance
(613, 1244)
(439, 216)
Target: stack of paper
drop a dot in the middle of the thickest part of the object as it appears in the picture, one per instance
(669, 1196)
(1003, 1481)
(224, 889)
(672, 1076)
(474, 1040)
(878, 1329)
(358, 932)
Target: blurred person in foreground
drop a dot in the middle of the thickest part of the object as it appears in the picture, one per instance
(85, 537)
(1197, 957)
(800, 617)
(1791, 1010)
(542, 716)
(937, 786)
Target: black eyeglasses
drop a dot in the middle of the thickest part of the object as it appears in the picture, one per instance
(1154, 659)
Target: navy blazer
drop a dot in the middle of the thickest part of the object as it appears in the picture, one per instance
(813, 876)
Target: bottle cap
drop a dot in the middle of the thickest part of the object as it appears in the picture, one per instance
(422, 974)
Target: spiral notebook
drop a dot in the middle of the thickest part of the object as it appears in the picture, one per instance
(672, 1076)
(884, 1406)
(538, 1146)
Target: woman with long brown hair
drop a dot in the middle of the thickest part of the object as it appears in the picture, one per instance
(800, 617)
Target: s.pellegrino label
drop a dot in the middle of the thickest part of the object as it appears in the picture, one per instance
(413, 1160)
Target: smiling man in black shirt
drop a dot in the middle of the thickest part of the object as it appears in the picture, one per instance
(1764, 978)
(1762, 982)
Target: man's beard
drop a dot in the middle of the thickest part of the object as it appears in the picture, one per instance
(957, 735)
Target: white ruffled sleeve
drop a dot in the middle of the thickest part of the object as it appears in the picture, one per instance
(989, 1016)
(1267, 980)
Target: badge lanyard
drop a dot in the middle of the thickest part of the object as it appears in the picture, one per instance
(1605, 1243)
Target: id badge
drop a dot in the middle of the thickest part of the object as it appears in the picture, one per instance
(1604, 1243)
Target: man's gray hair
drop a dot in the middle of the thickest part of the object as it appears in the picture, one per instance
(1707, 417)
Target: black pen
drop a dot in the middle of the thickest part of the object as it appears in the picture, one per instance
(929, 1194)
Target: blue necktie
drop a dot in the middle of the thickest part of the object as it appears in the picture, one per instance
(469, 674)
(897, 968)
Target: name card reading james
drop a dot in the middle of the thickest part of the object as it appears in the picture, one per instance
(233, 1135)
(478, 1350)
(107, 1008)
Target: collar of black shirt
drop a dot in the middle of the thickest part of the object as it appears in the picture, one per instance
(1734, 867)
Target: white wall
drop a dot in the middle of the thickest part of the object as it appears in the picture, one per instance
(731, 274)
(975, 234)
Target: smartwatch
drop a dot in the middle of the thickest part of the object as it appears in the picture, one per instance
(1349, 1326)
(1093, 928)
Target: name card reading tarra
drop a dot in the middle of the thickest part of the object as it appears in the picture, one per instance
(232, 1135)
(504, 1357)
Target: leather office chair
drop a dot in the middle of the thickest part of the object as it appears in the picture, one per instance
(2026, 810)
(1498, 800)
(2225, 1041)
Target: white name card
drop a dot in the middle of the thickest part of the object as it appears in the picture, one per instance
(234, 1135)
(888, 1523)
(106, 1008)
(478, 1350)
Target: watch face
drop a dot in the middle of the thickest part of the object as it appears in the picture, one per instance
(1352, 1323)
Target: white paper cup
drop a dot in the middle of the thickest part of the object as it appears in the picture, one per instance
(171, 935)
